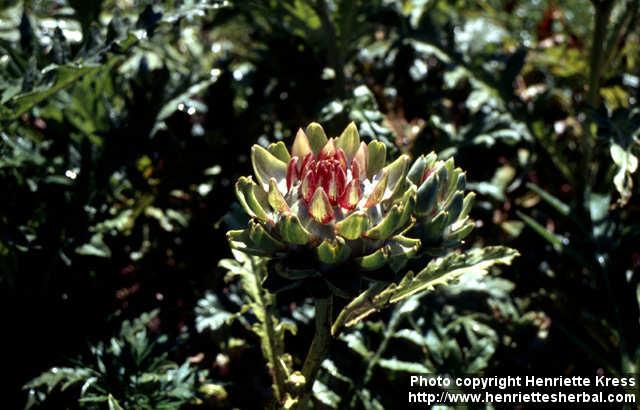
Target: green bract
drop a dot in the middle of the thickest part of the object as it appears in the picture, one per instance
(333, 210)
(442, 209)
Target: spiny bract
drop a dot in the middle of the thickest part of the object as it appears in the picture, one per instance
(338, 199)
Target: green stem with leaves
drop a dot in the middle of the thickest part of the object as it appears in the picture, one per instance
(271, 348)
(279, 382)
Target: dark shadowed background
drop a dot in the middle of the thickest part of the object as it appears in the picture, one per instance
(125, 123)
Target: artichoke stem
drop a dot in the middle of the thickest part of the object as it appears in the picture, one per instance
(319, 346)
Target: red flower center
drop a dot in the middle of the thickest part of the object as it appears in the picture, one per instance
(328, 171)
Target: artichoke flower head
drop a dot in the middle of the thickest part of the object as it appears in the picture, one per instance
(327, 207)
(332, 211)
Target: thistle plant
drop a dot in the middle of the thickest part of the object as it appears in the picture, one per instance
(332, 216)
(328, 208)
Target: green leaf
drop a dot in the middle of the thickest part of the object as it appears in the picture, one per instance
(627, 164)
(447, 269)
(439, 271)
(113, 403)
(396, 365)
(58, 376)
(95, 247)
(251, 271)
(210, 314)
(369, 402)
(333, 370)
(496, 188)
(557, 204)
(151, 377)
(355, 342)
(170, 106)
(324, 395)
(64, 76)
(553, 239)
(410, 335)
(599, 210)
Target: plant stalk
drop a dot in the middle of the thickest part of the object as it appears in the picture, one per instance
(268, 341)
(597, 56)
(335, 54)
(319, 347)
(279, 384)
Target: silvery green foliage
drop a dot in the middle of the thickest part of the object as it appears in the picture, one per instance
(210, 314)
(428, 333)
(257, 313)
(131, 370)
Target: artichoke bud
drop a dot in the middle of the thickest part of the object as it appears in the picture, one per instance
(331, 209)
(441, 208)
